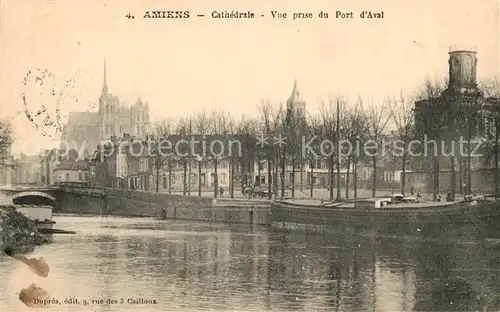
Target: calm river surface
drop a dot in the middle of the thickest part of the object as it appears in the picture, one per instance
(189, 266)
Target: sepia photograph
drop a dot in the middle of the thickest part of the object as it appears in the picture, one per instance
(249, 156)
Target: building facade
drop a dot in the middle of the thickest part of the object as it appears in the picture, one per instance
(461, 112)
(28, 169)
(461, 109)
(72, 172)
(8, 172)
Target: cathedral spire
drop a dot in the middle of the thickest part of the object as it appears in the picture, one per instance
(105, 83)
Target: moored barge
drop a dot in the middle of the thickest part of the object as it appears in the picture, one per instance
(475, 217)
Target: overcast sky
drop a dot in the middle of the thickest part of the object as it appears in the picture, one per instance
(184, 66)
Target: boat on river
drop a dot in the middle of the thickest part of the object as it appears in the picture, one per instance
(40, 214)
(393, 215)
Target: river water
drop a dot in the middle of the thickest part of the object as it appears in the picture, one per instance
(190, 266)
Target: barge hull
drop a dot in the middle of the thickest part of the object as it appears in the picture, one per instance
(478, 220)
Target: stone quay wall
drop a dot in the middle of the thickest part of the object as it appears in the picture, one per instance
(160, 205)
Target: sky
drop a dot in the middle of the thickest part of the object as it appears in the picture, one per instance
(183, 66)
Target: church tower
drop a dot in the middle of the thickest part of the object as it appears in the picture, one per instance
(462, 69)
(106, 109)
(295, 102)
(105, 82)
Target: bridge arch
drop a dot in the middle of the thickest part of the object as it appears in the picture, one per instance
(33, 197)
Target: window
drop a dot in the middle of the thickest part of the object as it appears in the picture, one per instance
(80, 176)
(67, 177)
(261, 166)
(164, 182)
(223, 178)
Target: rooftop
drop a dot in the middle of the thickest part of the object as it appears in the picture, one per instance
(462, 47)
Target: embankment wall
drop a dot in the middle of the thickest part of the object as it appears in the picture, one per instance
(160, 205)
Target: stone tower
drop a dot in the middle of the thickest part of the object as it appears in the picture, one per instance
(462, 69)
(108, 106)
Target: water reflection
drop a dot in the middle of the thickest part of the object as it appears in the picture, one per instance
(191, 266)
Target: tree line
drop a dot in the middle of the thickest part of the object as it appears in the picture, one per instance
(339, 119)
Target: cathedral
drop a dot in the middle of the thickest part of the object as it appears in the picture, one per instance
(86, 130)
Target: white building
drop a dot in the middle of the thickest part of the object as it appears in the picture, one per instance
(121, 165)
(7, 173)
(71, 172)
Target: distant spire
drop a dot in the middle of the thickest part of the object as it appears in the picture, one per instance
(105, 83)
(295, 96)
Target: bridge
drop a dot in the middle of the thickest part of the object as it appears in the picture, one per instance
(29, 195)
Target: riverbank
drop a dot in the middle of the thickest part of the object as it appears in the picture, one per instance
(17, 231)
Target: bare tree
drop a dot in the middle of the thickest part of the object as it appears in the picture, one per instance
(270, 124)
(330, 117)
(183, 152)
(233, 150)
(303, 129)
(434, 122)
(470, 112)
(247, 128)
(200, 127)
(491, 91)
(296, 129)
(317, 128)
(219, 127)
(162, 156)
(402, 113)
(6, 140)
(353, 126)
(377, 118)
(326, 122)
